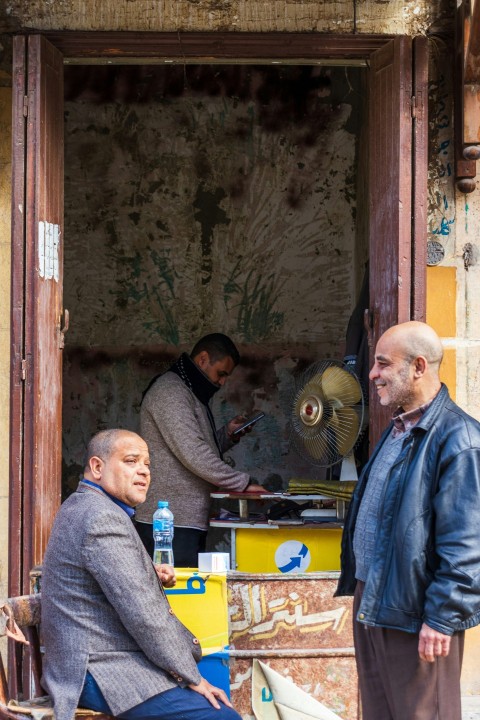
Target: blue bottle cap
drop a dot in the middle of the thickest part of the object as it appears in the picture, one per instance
(162, 503)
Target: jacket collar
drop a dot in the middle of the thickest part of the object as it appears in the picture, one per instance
(97, 488)
(424, 424)
(437, 404)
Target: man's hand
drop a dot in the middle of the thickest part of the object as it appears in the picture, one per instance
(255, 488)
(211, 693)
(432, 644)
(235, 423)
(166, 575)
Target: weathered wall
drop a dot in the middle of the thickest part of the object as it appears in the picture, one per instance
(453, 287)
(410, 17)
(224, 203)
(453, 300)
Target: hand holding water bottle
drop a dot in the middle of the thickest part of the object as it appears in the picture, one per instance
(166, 575)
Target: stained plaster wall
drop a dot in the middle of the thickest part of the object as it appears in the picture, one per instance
(226, 202)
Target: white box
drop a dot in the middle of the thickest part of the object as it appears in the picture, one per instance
(213, 562)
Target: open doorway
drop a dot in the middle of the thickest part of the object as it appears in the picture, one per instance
(393, 212)
(209, 198)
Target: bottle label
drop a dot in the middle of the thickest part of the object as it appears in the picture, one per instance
(160, 525)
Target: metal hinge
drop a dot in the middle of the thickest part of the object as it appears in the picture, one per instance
(24, 370)
(25, 106)
(413, 106)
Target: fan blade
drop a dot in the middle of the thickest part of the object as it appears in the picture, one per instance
(313, 386)
(316, 446)
(346, 424)
(340, 385)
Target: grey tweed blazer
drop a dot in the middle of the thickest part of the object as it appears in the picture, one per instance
(104, 610)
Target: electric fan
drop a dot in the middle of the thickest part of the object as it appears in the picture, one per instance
(327, 416)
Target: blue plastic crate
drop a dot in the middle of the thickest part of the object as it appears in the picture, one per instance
(215, 668)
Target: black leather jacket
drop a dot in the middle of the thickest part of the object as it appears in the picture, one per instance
(426, 564)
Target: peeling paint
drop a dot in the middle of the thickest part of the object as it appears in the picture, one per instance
(48, 250)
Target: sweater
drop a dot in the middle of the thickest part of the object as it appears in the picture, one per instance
(185, 461)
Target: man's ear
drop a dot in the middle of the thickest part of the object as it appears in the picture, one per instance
(95, 464)
(202, 359)
(420, 366)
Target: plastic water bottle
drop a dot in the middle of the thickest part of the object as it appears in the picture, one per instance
(163, 534)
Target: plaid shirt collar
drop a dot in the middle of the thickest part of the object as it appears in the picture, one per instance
(405, 421)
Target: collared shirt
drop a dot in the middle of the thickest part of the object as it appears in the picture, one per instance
(129, 510)
(405, 421)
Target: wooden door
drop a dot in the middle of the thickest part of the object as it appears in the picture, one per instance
(397, 173)
(37, 317)
(397, 193)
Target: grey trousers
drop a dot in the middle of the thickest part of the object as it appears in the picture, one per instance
(395, 684)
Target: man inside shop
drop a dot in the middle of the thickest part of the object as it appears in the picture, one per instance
(186, 448)
(112, 643)
(410, 550)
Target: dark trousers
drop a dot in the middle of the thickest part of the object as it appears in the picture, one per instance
(395, 684)
(187, 543)
(176, 704)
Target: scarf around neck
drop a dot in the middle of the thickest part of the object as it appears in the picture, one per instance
(194, 378)
(201, 386)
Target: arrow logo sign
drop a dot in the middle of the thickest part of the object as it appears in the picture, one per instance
(292, 556)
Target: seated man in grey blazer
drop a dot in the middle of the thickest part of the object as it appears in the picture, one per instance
(112, 642)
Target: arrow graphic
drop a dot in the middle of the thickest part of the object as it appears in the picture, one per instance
(295, 561)
(303, 551)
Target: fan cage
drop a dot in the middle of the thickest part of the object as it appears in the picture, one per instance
(332, 436)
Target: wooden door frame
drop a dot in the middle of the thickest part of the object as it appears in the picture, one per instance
(36, 292)
(208, 47)
(202, 47)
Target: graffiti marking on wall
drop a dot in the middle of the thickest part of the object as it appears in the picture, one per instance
(442, 213)
(261, 619)
(240, 678)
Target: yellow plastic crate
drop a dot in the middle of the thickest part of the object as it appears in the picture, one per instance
(199, 600)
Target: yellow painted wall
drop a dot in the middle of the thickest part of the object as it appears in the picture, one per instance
(442, 299)
(442, 316)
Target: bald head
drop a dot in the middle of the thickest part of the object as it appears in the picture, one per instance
(407, 361)
(417, 339)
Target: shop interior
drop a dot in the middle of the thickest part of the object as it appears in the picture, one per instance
(209, 198)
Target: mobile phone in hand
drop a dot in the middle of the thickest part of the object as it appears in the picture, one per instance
(248, 423)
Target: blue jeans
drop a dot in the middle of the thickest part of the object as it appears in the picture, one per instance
(176, 704)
